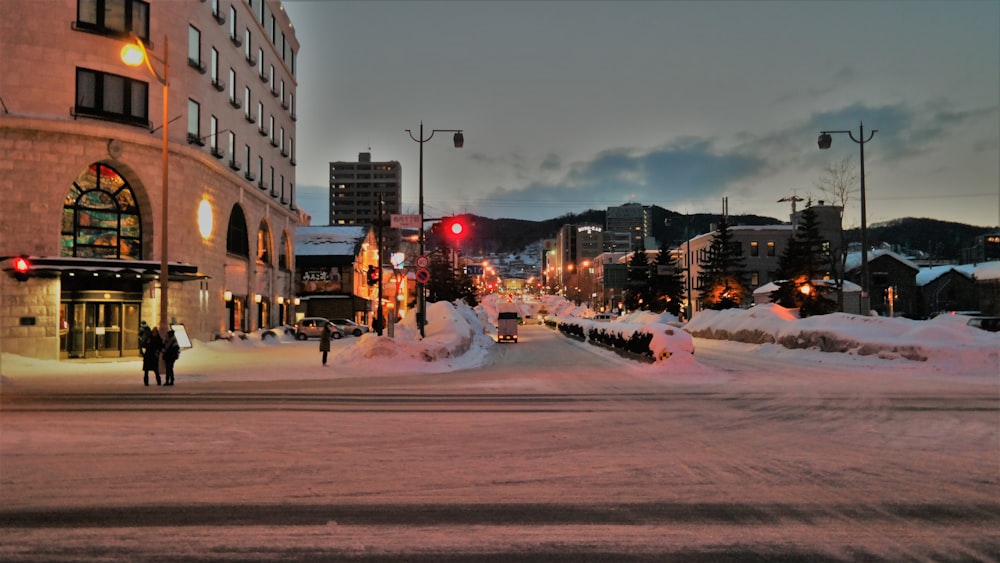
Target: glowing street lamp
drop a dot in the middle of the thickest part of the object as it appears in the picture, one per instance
(134, 54)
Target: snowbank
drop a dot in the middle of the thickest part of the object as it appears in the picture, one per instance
(942, 339)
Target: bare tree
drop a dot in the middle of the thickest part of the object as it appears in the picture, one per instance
(840, 182)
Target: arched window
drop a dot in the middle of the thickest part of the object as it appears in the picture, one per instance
(264, 243)
(283, 252)
(100, 217)
(237, 241)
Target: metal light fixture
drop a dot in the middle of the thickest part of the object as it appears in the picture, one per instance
(134, 54)
(824, 142)
(459, 141)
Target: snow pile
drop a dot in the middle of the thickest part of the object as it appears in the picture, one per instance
(669, 341)
(941, 339)
(452, 331)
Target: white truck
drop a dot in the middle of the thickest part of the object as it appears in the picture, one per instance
(507, 321)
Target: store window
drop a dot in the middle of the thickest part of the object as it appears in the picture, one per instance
(100, 217)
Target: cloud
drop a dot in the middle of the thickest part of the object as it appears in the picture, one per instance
(686, 169)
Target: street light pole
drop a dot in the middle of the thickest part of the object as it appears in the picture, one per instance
(131, 54)
(458, 140)
(824, 142)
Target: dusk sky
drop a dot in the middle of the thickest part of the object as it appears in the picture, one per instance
(575, 105)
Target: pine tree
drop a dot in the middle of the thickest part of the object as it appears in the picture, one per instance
(637, 293)
(667, 288)
(805, 260)
(723, 273)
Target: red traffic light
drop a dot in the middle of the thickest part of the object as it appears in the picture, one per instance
(21, 268)
(455, 227)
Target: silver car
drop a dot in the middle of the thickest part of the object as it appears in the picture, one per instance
(312, 327)
(348, 326)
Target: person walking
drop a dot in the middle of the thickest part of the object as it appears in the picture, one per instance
(151, 356)
(324, 341)
(171, 351)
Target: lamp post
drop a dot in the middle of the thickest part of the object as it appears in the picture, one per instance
(824, 142)
(459, 140)
(134, 54)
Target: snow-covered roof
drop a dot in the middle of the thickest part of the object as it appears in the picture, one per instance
(929, 274)
(854, 258)
(329, 241)
(980, 271)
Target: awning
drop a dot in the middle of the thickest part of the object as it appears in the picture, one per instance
(44, 266)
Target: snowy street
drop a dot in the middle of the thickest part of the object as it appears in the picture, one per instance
(550, 450)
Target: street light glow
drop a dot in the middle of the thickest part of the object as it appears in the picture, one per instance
(132, 54)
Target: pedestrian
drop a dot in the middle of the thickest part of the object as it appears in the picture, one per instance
(324, 340)
(143, 336)
(171, 351)
(151, 356)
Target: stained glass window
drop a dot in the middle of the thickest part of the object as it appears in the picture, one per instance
(100, 217)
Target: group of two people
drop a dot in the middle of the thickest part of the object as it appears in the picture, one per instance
(152, 346)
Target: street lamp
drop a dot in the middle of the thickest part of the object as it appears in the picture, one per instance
(459, 140)
(134, 54)
(824, 142)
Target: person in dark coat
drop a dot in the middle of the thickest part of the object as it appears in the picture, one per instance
(171, 351)
(151, 356)
(144, 331)
(324, 341)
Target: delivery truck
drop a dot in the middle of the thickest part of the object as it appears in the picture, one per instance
(507, 320)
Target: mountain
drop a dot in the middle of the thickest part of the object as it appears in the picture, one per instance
(931, 238)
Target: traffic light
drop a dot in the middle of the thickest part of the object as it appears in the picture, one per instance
(373, 275)
(21, 268)
(455, 228)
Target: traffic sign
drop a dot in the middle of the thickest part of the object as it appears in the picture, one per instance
(423, 276)
(423, 261)
(405, 221)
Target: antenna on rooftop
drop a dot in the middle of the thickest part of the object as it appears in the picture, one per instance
(792, 198)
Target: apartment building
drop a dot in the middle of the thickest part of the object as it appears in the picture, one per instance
(89, 144)
(357, 188)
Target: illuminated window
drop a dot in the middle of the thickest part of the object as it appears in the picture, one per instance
(236, 235)
(101, 217)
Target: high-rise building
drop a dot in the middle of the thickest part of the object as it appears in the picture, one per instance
(86, 150)
(627, 227)
(357, 187)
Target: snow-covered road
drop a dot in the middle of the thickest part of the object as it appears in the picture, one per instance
(551, 450)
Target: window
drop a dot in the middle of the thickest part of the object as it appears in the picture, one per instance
(114, 17)
(260, 116)
(264, 244)
(213, 136)
(232, 25)
(246, 104)
(754, 279)
(194, 48)
(270, 131)
(247, 48)
(194, 122)
(112, 97)
(232, 88)
(236, 236)
(291, 151)
(270, 78)
(260, 64)
(283, 197)
(754, 248)
(260, 171)
(246, 158)
(232, 148)
(283, 262)
(215, 70)
(291, 105)
(101, 217)
(281, 143)
(770, 248)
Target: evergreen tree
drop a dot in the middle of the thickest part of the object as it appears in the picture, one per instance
(723, 273)
(667, 284)
(637, 293)
(805, 260)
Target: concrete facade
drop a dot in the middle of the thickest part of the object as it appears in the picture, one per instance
(83, 301)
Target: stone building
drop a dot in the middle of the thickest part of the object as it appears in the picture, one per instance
(86, 150)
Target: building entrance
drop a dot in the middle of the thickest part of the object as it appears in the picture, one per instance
(99, 326)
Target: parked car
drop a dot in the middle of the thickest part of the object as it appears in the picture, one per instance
(348, 326)
(991, 324)
(312, 327)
